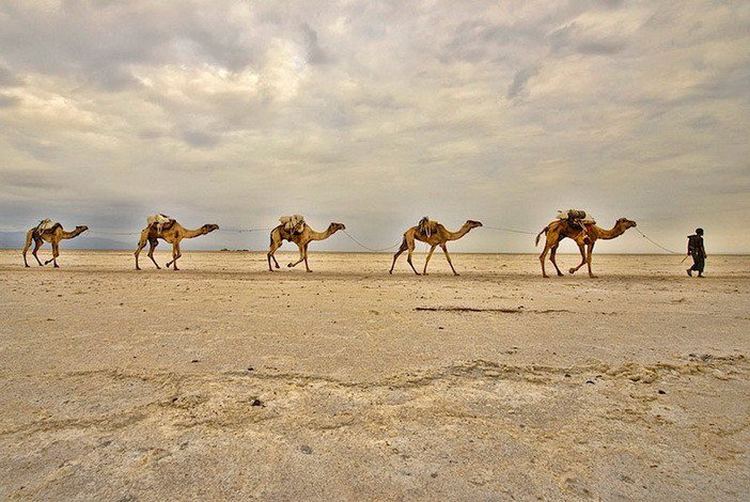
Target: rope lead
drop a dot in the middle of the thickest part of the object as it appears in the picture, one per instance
(655, 243)
(357, 242)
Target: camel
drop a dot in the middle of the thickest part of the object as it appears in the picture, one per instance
(434, 234)
(302, 239)
(558, 230)
(53, 235)
(171, 232)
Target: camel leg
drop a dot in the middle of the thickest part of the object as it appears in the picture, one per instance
(26, 247)
(552, 258)
(307, 267)
(582, 249)
(403, 248)
(274, 246)
(152, 243)
(55, 254)
(543, 258)
(37, 244)
(552, 241)
(410, 248)
(590, 253)
(141, 244)
(301, 256)
(175, 255)
(427, 260)
(448, 257)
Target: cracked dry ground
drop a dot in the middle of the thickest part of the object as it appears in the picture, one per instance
(225, 382)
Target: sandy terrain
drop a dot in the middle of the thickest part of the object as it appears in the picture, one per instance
(225, 381)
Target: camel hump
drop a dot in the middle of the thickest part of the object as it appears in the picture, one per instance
(293, 224)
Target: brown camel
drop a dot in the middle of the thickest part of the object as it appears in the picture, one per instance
(558, 230)
(301, 239)
(171, 232)
(53, 235)
(434, 234)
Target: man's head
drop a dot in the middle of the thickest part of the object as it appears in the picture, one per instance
(699, 231)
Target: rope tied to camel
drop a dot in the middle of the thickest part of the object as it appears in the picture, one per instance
(246, 230)
(670, 251)
(363, 246)
(511, 230)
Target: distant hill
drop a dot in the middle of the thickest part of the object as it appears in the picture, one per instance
(15, 240)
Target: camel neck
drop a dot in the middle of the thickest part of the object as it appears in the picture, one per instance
(189, 234)
(70, 235)
(605, 234)
(452, 236)
(319, 236)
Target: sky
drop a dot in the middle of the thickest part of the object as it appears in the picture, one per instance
(375, 114)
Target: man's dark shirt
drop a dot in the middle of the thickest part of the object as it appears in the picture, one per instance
(695, 246)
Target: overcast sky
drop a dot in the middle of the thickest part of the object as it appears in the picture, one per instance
(377, 113)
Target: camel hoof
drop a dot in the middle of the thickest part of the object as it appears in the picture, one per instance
(456, 274)
(571, 271)
(277, 266)
(594, 276)
(290, 265)
(545, 276)
(309, 271)
(137, 268)
(26, 266)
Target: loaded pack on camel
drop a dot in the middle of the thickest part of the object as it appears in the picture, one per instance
(162, 222)
(577, 218)
(45, 226)
(427, 227)
(293, 224)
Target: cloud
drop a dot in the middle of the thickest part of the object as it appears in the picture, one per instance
(200, 139)
(7, 100)
(8, 79)
(520, 80)
(376, 113)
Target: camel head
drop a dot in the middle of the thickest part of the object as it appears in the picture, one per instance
(626, 223)
(335, 227)
(208, 228)
(81, 228)
(473, 223)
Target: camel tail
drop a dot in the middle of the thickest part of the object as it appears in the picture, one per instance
(544, 231)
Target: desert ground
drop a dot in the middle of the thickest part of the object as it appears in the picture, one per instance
(224, 380)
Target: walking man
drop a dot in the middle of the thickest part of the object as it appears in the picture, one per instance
(697, 251)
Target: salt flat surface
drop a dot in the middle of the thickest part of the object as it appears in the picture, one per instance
(225, 380)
